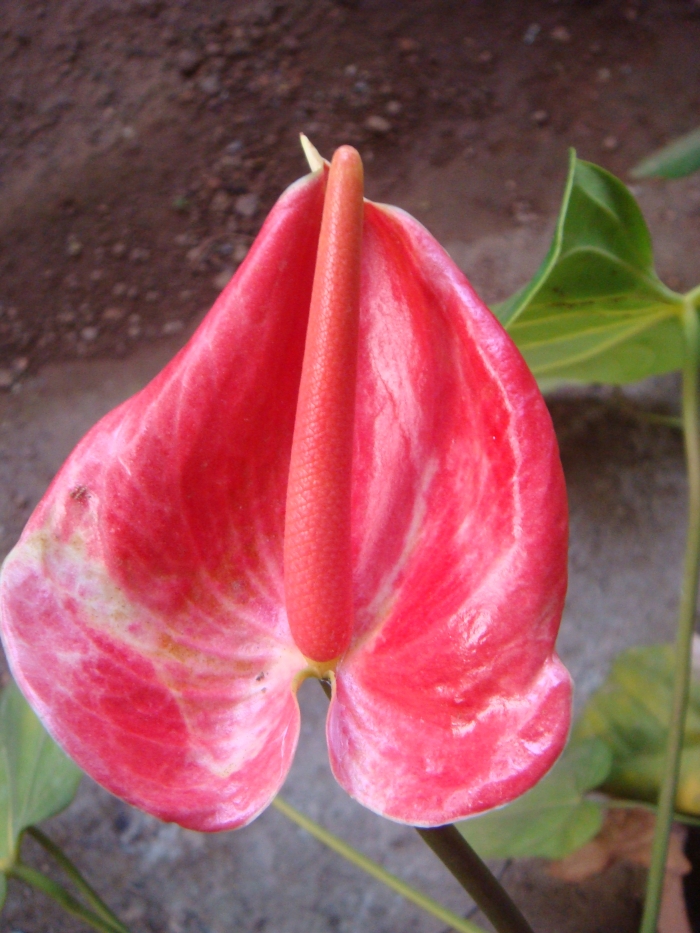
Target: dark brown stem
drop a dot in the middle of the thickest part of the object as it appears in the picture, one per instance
(457, 855)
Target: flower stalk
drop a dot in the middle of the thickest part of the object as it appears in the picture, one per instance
(476, 878)
(348, 852)
(686, 624)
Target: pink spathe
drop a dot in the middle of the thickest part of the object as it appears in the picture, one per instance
(143, 609)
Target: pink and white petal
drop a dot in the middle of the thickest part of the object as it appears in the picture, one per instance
(143, 608)
(451, 699)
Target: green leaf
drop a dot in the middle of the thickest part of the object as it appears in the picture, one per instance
(630, 714)
(551, 820)
(595, 310)
(680, 157)
(37, 779)
(3, 890)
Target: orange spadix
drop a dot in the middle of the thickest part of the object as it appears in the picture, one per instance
(317, 556)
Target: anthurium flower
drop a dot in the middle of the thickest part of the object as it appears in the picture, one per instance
(349, 473)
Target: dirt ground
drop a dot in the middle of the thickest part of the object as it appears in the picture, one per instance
(142, 141)
(141, 144)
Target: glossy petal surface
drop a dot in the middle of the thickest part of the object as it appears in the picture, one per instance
(143, 608)
(450, 700)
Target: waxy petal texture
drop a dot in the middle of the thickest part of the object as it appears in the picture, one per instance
(450, 700)
(143, 608)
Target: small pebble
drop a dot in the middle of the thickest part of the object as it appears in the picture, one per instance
(210, 84)
(247, 205)
(139, 254)
(531, 33)
(119, 289)
(20, 364)
(112, 314)
(221, 202)
(96, 275)
(394, 107)
(188, 61)
(221, 280)
(523, 212)
(118, 250)
(6, 378)
(610, 143)
(560, 34)
(603, 75)
(89, 334)
(539, 117)
(73, 247)
(240, 252)
(172, 327)
(152, 295)
(377, 124)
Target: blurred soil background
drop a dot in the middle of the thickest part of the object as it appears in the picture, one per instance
(142, 143)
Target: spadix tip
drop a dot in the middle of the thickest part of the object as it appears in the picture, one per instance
(313, 156)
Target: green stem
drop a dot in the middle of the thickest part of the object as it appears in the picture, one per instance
(686, 624)
(693, 296)
(622, 403)
(23, 872)
(668, 421)
(618, 804)
(476, 878)
(376, 871)
(90, 895)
